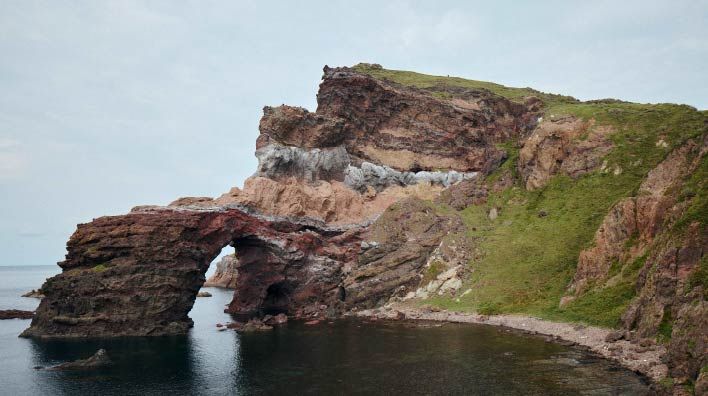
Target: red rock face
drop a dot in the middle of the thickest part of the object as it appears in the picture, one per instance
(554, 147)
(643, 217)
(401, 127)
(138, 274)
(643, 226)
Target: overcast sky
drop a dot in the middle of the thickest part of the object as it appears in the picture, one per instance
(105, 105)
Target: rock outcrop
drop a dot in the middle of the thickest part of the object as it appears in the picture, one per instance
(395, 250)
(370, 144)
(638, 220)
(643, 230)
(409, 129)
(566, 145)
(99, 360)
(226, 273)
(15, 314)
(34, 294)
(138, 274)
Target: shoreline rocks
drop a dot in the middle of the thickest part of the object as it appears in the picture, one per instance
(34, 294)
(250, 326)
(15, 314)
(645, 360)
(99, 360)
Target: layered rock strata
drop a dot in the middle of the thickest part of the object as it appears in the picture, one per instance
(298, 224)
(566, 145)
(139, 273)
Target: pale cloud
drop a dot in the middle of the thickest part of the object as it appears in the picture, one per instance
(109, 104)
(7, 143)
(415, 29)
(13, 161)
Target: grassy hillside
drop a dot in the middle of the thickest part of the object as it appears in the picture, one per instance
(526, 261)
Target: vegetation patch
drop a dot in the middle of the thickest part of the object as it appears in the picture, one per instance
(100, 268)
(527, 261)
(440, 84)
(435, 269)
(665, 327)
(699, 277)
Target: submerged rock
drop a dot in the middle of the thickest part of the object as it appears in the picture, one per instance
(251, 325)
(99, 360)
(278, 319)
(15, 314)
(34, 294)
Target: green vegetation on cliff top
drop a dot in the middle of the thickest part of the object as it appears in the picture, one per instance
(527, 260)
(425, 81)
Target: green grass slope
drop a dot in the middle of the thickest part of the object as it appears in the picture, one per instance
(526, 261)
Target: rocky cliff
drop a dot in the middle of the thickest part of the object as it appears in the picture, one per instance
(413, 188)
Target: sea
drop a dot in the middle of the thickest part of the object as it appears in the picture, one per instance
(341, 357)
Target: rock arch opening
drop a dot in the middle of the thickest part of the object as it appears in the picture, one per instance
(139, 274)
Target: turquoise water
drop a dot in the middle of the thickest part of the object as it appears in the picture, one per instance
(342, 357)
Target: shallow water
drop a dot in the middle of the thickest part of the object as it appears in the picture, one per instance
(344, 357)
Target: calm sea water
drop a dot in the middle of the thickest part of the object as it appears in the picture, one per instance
(345, 357)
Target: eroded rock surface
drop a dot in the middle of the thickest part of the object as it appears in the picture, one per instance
(138, 274)
(566, 145)
(409, 129)
(395, 250)
(15, 314)
(641, 230)
(99, 360)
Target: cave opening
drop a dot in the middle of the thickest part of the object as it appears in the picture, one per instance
(277, 299)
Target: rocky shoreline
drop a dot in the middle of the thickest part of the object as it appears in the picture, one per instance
(643, 356)
(15, 314)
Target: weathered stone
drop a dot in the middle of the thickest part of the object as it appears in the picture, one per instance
(614, 336)
(555, 146)
(99, 360)
(298, 127)
(278, 319)
(138, 274)
(406, 235)
(411, 129)
(465, 193)
(279, 162)
(15, 314)
(34, 294)
(641, 226)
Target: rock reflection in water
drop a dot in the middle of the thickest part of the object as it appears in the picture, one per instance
(343, 357)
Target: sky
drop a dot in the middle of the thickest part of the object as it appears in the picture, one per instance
(105, 105)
